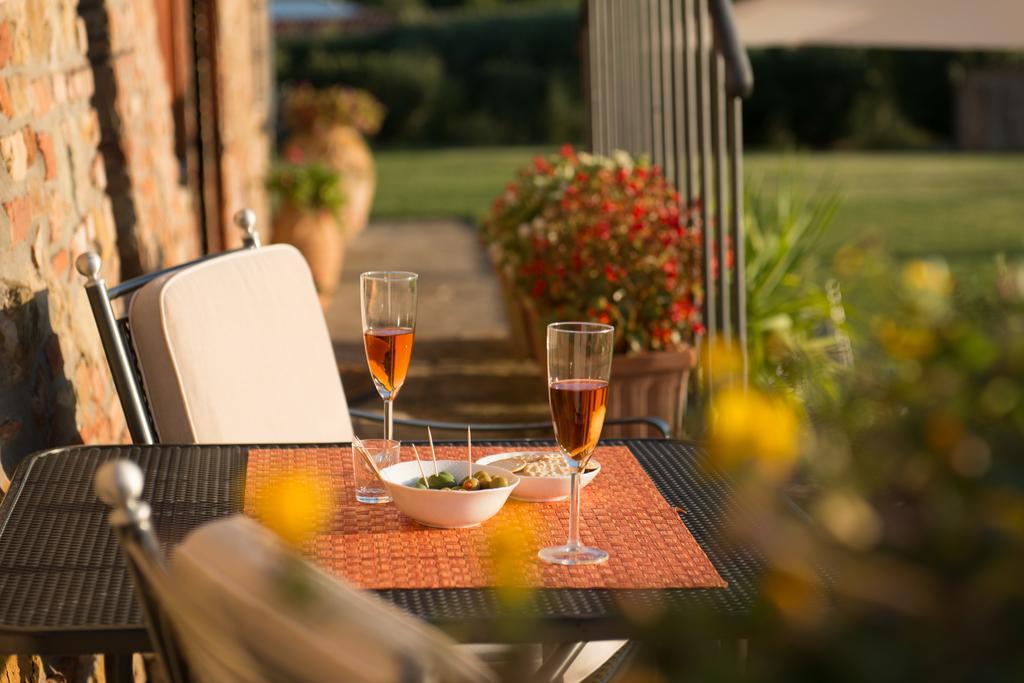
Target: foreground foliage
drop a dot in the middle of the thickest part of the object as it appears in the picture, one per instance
(907, 565)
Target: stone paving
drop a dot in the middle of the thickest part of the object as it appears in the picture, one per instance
(463, 368)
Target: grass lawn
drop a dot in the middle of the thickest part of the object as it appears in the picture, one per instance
(964, 207)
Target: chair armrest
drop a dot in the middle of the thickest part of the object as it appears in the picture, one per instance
(655, 422)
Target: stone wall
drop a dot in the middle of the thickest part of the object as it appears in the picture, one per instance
(156, 225)
(54, 386)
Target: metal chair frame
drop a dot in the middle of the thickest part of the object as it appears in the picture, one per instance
(119, 485)
(115, 336)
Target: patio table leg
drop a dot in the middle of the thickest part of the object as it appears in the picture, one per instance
(118, 668)
(557, 661)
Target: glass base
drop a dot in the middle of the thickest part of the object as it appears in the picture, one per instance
(572, 554)
(373, 498)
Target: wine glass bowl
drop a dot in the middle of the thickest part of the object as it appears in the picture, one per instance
(388, 352)
(577, 411)
(388, 305)
(579, 367)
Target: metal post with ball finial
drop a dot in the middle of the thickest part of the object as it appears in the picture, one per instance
(88, 264)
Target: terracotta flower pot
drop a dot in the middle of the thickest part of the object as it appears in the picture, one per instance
(520, 336)
(343, 149)
(649, 384)
(321, 240)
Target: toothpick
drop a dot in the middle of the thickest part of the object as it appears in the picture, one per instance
(361, 447)
(469, 451)
(432, 453)
(417, 454)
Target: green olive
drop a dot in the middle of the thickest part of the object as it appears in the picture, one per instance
(499, 482)
(437, 481)
(447, 476)
(471, 484)
(483, 477)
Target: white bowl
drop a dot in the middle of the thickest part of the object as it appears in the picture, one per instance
(542, 489)
(445, 509)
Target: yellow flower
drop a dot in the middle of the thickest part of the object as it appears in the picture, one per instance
(931, 277)
(512, 548)
(904, 342)
(724, 361)
(750, 428)
(296, 507)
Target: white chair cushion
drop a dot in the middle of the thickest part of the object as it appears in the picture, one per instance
(236, 350)
(300, 623)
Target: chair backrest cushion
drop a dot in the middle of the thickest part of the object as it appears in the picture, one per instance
(236, 350)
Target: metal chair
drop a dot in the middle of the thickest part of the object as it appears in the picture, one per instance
(116, 338)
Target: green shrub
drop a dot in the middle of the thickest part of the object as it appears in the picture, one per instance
(797, 332)
(480, 77)
(306, 186)
(514, 70)
(407, 84)
(869, 99)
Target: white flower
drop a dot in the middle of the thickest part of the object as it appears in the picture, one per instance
(622, 158)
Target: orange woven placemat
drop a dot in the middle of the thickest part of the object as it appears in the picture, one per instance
(376, 546)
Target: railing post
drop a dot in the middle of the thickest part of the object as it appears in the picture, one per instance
(734, 124)
(667, 78)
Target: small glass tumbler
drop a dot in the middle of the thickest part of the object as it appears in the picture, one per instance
(369, 487)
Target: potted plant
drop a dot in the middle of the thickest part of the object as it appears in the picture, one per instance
(309, 203)
(585, 237)
(327, 126)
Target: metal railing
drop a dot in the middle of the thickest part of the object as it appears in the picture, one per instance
(666, 79)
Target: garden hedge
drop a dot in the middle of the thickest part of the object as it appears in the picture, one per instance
(511, 76)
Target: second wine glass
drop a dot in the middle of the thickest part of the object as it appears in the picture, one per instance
(579, 367)
(388, 301)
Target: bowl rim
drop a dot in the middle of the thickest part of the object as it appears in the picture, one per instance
(527, 477)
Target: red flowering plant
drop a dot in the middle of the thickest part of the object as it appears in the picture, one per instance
(588, 237)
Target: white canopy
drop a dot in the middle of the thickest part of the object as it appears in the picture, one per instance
(996, 25)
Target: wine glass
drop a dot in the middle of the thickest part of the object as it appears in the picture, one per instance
(579, 365)
(389, 326)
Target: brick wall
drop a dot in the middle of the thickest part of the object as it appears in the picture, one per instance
(87, 163)
(54, 386)
(156, 225)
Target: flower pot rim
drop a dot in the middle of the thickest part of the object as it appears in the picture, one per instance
(682, 358)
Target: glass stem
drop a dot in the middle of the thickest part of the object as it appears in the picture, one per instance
(574, 509)
(389, 427)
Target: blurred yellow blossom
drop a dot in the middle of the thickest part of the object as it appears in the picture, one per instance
(297, 506)
(797, 593)
(905, 342)
(928, 276)
(749, 427)
(723, 360)
(512, 548)
(850, 519)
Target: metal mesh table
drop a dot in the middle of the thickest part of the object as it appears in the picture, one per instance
(65, 588)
